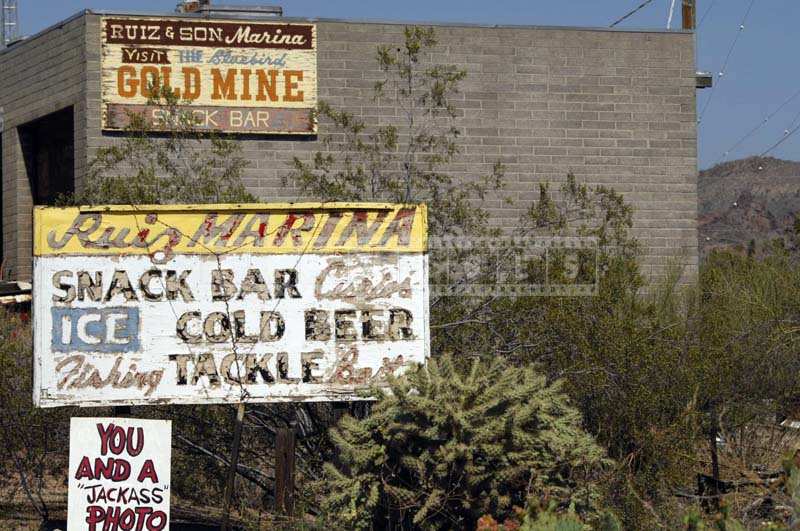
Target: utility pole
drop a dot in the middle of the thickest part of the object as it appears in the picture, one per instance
(689, 14)
(9, 22)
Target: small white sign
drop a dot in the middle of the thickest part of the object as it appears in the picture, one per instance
(119, 474)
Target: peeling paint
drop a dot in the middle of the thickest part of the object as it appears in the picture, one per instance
(251, 323)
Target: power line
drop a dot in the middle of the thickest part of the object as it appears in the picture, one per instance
(794, 120)
(761, 124)
(786, 136)
(631, 13)
(708, 10)
(727, 60)
(790, 130)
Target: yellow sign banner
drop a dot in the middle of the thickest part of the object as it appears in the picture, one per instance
(286, 228)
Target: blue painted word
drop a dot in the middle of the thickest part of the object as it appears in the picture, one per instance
(191, 56)
(95, 330)
(228, 57)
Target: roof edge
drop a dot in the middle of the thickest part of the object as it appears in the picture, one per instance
(57, 25)
(97, 12)
(103, 12)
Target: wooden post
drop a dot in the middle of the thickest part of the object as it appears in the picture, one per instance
(339, 410)
(712, 445)
(284, 469)
(237, 438)
(689, 14)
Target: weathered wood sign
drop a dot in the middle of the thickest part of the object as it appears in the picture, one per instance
(230, 76)
(119, 474)
(226, 303)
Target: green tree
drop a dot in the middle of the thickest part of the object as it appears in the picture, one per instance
(449, 444)
(34, 441)
(182, 165)
(403, 161)
(615, 350)
(747, 344)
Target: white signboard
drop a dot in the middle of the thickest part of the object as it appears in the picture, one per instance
(226, 303)
(119, 474)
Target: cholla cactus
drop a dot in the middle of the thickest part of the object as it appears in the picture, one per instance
(450, 443)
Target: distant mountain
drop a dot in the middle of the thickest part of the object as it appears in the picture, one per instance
(754, 199)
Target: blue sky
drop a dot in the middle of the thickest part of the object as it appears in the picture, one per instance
(758, 78)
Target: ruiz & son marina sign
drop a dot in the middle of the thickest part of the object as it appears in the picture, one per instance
(229, 76)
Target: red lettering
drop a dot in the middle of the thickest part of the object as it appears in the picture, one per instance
(122, 470)
(112, 518)
(127, 519)
(94, 515)
(135, 450)
(115, 518)
(162, 521)
(117, 441)
(84, 469)
(104, 433)
(288, 228)
(103, 469)
(113, 469)
(141, 516)
(148, 471)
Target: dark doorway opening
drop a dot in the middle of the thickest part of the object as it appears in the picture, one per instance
(48, 147)
(2, 199)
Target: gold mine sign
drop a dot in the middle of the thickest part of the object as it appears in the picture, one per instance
(229, 76)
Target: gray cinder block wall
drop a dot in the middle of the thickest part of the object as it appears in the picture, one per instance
(37, 77)
(612, 107)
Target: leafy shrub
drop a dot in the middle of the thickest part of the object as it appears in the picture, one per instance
(34, 441)
(183, 165)
(451, 443)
